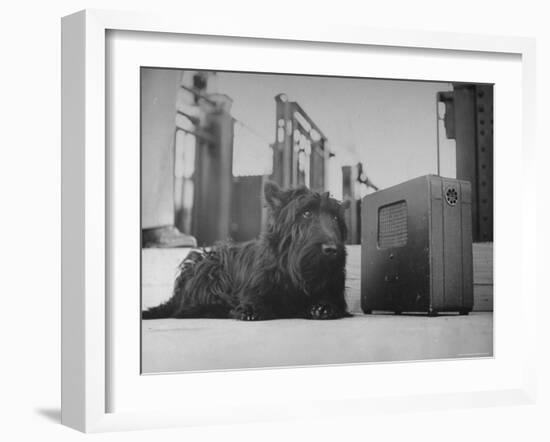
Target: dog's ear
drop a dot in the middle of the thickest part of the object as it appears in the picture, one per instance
(346, 204)
(273, 195)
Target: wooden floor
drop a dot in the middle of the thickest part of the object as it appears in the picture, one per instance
(171, 345)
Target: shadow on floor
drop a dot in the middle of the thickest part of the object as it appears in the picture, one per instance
(51, 414)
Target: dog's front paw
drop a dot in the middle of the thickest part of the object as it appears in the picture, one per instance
(246, 313)
(323, 311)
(251, 316)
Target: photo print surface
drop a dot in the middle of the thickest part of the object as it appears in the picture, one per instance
(292, 220)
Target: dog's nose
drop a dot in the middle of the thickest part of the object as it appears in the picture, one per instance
(329, 249)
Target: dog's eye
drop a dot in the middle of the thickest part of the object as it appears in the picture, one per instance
(307, 214)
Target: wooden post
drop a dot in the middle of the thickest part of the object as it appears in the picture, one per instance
(353, 214)
(213, 176)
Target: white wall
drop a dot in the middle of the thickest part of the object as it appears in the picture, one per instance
(159, 90)
(30, 220)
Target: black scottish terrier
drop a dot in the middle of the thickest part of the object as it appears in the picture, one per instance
(296, 269)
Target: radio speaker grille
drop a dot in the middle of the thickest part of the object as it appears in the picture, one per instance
(392, 225)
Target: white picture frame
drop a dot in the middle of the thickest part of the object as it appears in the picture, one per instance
(87, 356)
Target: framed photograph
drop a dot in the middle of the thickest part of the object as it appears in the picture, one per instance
(263, 222)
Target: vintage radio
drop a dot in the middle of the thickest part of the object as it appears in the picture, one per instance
(416, 247)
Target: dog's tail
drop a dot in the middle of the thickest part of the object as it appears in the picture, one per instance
(165, 310)
(173, 307)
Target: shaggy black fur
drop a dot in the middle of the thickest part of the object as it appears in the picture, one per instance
(296, 269)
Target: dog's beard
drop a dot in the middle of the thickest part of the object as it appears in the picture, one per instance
(309, 267)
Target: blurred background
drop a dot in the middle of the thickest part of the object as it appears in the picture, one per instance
(209, 140)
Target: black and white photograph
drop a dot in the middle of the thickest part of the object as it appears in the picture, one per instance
(248, 220)
(302, 220)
